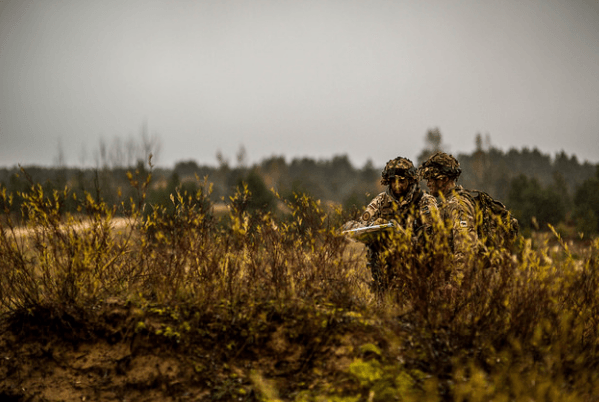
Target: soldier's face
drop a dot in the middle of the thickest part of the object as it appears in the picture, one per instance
(400, 185)
(437, 186)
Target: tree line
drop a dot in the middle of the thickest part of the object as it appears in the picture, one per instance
(539, 189)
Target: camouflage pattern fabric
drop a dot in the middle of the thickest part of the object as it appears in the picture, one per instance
(385, 207)
(458, 218)
(440, 165)
(415, 212)
(496, 227)
(411, 215)
(401, 167)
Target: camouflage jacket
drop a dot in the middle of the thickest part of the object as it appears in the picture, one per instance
(458, 216)
(413, 211)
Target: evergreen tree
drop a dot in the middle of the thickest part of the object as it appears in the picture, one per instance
(533, 205)
(586, 202)
(433, 143)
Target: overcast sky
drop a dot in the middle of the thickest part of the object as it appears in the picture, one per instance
(297, 78)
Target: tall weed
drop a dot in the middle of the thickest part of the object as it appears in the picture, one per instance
(520, 326)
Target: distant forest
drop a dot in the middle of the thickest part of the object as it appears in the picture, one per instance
(538, 188)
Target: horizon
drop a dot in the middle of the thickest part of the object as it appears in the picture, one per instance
(232, 162)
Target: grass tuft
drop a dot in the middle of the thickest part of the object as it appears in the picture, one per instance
(285, 297)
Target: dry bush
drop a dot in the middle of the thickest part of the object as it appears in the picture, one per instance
(523, 325)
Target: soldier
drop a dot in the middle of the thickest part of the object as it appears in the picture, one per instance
(457, 211)
(403, 203)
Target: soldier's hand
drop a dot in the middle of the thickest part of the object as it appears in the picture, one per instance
(380, 221)
(349, 225)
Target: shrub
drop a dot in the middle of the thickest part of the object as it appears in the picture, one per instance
(524, 326)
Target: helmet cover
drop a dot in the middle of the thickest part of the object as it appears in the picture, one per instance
(440, 165)
(398, 167)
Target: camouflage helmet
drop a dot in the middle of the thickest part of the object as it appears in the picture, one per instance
(401, 167)
(440, 165)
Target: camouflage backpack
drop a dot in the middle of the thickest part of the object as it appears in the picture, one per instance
(495, 225)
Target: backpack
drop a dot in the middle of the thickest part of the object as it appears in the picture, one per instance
(495, 225)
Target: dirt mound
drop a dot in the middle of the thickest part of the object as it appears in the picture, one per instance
(98, 371)
(112, 357)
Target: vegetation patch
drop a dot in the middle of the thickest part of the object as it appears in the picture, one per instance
(250, 304)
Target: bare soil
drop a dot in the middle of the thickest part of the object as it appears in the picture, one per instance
(66, 358)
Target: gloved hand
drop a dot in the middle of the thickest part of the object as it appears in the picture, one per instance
(380, 221)
(349, 225)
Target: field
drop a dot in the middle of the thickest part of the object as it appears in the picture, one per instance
(131, 303)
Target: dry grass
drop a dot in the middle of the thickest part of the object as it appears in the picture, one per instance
(245, 305)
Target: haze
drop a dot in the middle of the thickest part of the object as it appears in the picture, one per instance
(296, 78)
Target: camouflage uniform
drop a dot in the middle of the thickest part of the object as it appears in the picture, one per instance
(385, 207)
(412, 214)
(459, 216)
(457, 211)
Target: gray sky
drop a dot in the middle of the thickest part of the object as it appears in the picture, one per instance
(297, 78)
